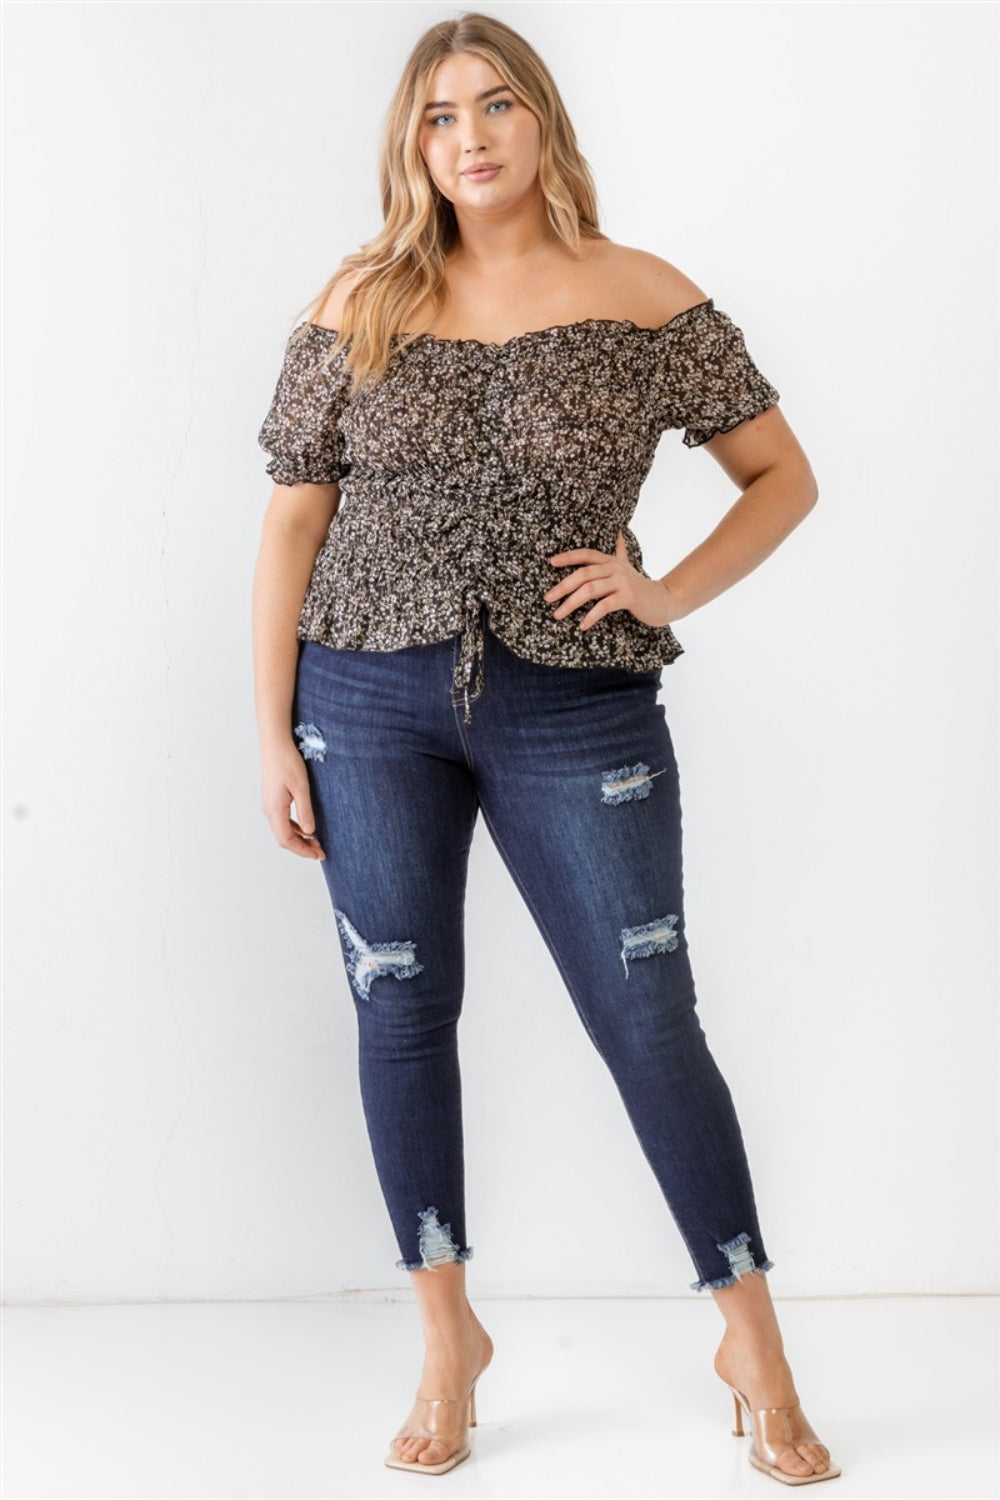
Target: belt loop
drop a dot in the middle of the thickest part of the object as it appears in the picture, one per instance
(471, 656)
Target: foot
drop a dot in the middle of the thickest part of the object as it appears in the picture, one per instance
(762, 1373)
(450, 1366)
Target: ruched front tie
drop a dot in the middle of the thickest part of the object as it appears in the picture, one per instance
(469, 668)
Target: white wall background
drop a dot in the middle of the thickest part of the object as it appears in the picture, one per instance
(181, 1106)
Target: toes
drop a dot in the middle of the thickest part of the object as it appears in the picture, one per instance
(793, 1462)
(817, 1455)
(421, 1450)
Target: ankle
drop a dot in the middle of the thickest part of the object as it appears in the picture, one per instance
(451, 1326)
(754, 1346)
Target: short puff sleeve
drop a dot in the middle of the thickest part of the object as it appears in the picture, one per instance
(706, 380)
(302, 428)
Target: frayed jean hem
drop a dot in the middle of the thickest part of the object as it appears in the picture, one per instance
(741, 1263)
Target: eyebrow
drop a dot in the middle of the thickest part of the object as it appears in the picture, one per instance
(450, 103)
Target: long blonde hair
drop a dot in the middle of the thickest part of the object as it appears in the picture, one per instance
(404, 263)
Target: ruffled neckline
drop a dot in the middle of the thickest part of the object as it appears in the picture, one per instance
(625, 324)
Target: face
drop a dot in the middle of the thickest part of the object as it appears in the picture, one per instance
(474, 118)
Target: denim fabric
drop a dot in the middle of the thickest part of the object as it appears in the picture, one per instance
(574, 771)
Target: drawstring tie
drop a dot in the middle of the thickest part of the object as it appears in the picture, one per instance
(469, 669)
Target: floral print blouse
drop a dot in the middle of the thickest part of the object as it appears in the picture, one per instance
(469, 464)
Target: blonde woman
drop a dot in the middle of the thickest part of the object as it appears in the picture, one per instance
(451, 616)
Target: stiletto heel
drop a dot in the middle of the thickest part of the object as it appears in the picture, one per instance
(775, 1428)
(429, 1423)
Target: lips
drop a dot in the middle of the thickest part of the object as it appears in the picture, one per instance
(481, 169)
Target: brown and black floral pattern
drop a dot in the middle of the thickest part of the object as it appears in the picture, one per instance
(471, 463)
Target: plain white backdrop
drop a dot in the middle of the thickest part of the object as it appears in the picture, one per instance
(182, 1116)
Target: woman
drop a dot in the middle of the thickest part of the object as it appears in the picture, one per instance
(488, 379)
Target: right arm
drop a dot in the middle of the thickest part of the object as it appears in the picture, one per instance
(296, 522)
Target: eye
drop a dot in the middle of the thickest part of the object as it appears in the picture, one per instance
(504, 104)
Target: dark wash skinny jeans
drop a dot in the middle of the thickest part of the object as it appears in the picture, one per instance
(574, 771)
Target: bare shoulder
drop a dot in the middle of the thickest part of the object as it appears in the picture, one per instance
(653, 288)
(332, 311)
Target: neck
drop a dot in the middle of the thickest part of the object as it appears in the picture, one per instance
(490, 244)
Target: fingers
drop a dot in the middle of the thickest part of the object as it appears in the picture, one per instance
(303, 844)
(577, 554)
(292, 837)
(601, 608)
(289, 834)
(303, 806)
(595, 588)
(602, 577)
(302, 834)
(577, 579)
(589, 554)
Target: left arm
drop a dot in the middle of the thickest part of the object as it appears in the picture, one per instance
(763, 457)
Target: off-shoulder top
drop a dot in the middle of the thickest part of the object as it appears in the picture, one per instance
(469, 464)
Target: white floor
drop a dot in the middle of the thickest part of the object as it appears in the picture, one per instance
(583, 1398)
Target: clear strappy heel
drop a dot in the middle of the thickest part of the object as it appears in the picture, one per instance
(432, 1427)
(775, 1428)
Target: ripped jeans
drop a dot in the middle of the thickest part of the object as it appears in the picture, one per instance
(573, 769)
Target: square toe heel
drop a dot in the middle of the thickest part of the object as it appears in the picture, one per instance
(775, 1428)
(462, 1452)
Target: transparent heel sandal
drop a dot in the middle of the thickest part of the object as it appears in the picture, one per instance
(774, 1429)
(440, 1425)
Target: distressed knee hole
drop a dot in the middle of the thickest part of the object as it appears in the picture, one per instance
(437, 1247)
(627, 783)
(649, 938)
(311, 742)
(366, 960)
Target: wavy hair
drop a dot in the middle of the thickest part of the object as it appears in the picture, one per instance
(403, 265)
